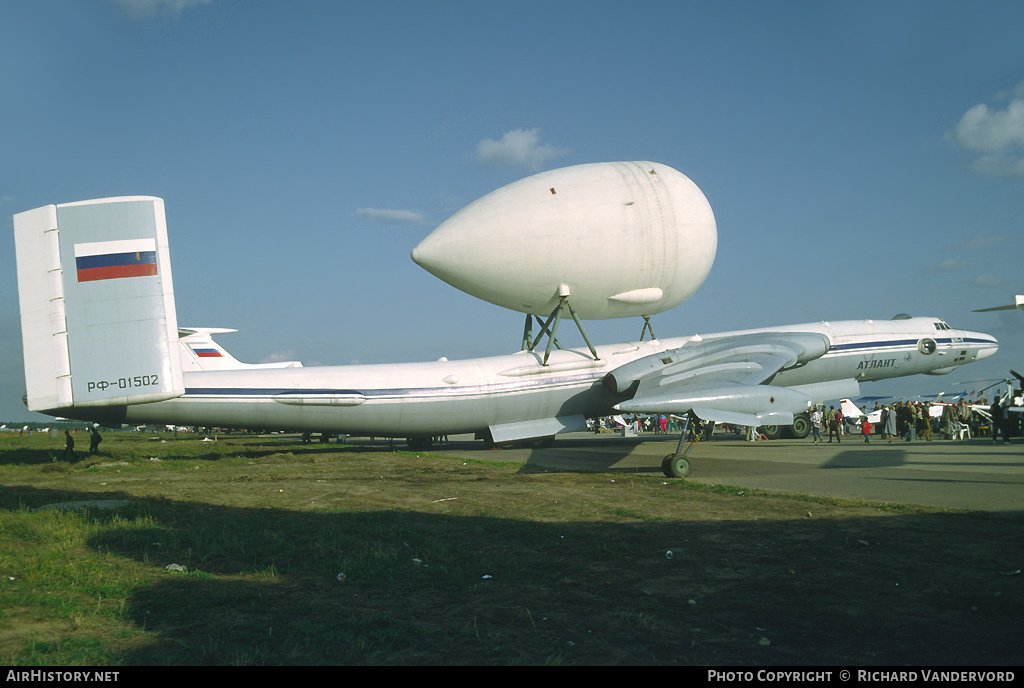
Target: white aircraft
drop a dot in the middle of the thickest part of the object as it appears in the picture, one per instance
(855, 414)
(102, 344)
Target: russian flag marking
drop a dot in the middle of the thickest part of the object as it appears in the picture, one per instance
(103, 260)
(208, 353)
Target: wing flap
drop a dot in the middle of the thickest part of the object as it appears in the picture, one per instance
(529, 429)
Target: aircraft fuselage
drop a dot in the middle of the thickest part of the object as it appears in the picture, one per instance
(514, 395)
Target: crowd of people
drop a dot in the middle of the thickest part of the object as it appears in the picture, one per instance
(915, 420)
(909, 421)
(660, 423)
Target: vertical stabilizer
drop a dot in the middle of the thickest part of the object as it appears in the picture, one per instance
(97, 304)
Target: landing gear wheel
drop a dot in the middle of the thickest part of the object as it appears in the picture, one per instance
(801, 427)
(675, 466)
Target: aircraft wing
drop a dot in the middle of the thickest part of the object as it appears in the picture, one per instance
(728, 379)
(1019, 303)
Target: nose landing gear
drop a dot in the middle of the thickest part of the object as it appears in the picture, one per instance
(677, 465)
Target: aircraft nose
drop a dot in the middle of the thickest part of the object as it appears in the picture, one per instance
(986, 343)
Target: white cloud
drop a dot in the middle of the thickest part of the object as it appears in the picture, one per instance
(146, 9)
(979, 242)
(1015, 92)
(995, 136)
(391, 216)
(999, 165)
(279, 357)
(517, 148)
(988, 281)
(949, 265)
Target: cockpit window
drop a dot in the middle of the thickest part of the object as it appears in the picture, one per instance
(942, 326)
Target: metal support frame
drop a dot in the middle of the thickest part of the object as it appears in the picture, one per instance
(550, 328)
(583, 332)
(528, 333)
(529, 343)
(647, 328)
(556, 315)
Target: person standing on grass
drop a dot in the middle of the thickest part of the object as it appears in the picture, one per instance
(94, 440)
(69, 446)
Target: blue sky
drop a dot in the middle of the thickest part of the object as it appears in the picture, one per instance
(862, 159)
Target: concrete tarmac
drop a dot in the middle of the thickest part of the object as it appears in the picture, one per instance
(964, 474)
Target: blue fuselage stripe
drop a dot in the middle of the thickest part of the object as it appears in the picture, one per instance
(904, 343)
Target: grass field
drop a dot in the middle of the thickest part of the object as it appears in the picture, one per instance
(324, 554)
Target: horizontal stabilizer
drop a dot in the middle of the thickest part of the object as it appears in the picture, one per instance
(97, 304)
